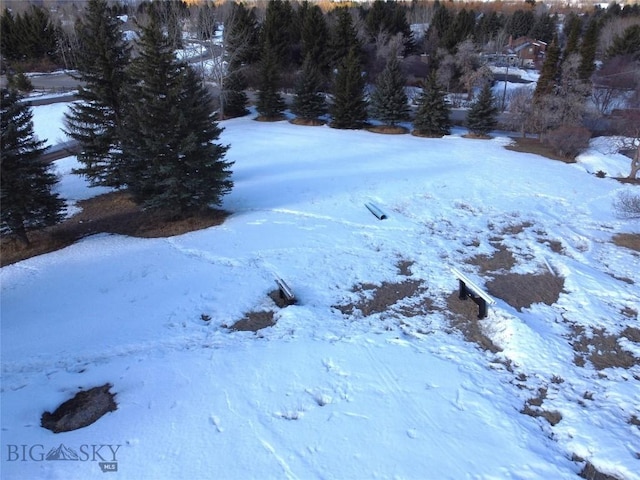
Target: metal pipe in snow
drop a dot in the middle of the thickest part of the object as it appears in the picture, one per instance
(379, 214)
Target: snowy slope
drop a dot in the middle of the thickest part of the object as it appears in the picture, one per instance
(323, 394)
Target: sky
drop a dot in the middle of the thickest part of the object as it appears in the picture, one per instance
(323, 393)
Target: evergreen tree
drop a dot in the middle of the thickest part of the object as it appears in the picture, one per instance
(550, 71)
(432, 117)
(349, 107)
(26, 184)
(314, 38)
(588, 51)
(626, 44)
(309, 102)
(234, 98)
(270, 104)
(389, 100)
(241, 37)
(30, 35)
(94, 121)
(172, 163)
(573, 27)
(344, 37)
(482, 116)
(544, 27)
(278, 31)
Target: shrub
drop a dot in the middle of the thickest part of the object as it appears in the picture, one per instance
(20, 82)
(568, 141)
(627, 205)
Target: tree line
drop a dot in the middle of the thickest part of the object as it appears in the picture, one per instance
(146, 123)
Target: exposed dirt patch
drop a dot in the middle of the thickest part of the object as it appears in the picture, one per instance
(307, 122)
(80, 411)
(603, 350)
(554, 245)
(404, 266)
(592, 473)
(533, 145)
(516, 229)
(628, 240)
(464, 318)
(501, 259)
(475, 136)
(378, 299)
(109, 213)
(533, 408)
(523, 290)
(418, 133)
(262, 118)
(388, 129)
(254, 321)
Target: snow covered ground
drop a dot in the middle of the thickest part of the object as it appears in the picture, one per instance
(323, 394)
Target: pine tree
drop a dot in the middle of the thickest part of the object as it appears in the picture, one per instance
(270, 104)
(432, 117)
(314, 38)
(344, 37)
(94, 121)
(482, 116)
(278, 33)
(241, 37)
(588, 51)
(626, 44)
(233, 96)
(550, 71)
(172, 163)
(26, 184)
(309, 102)
(349, 107)
(389, 100)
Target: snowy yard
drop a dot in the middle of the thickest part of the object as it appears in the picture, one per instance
(329, 392)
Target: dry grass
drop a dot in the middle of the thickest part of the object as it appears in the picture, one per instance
(628, 240)
(532, 407)
(378, 299)
(110, 213)
(500, 260)
(464, 318)
(521, 291)
(387, 129)
(306, 122)
(603, 350)
(254, 321)
(533, 145)
(262, 118)
(589, 472)
(418, 133)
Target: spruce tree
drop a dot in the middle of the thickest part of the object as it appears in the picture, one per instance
(626, 44)
(349, 107)
(482, 116)
(314, 38)
(94, 121)
(432, 117)
(169, 130)
(389, 101)
(588, 51)
(344, 37)
(550, 71)
(309, 102)
(270, 104)
(233, 98)
(26, 184)
(278, 31)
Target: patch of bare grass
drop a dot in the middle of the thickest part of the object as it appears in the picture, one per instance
(589, 472)
(628, 240)
(602, 349)
(109, 213)
(387, 129)
(533, 408)
(533, 145)
(523, 290)
(501, 259)
(307, 122)
(463, 315)
(254, 321)
(378, 299)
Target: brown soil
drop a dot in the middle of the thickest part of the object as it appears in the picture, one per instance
(261, 118)
(603, 350)
(628, 240)
(521, 291)
(110, 213)
(500, 260)
(378, 299)
(254, 321)
(475, 136)
(307, 122)
(534, 145)
(418, 133)
(388, 129)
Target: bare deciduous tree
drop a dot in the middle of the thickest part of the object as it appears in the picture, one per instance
(627, 204)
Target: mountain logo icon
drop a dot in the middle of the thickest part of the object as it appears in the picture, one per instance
(62, 453)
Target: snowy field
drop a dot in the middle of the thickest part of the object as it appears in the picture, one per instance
(325, 394)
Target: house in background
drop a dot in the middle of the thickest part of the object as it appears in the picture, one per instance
(525, 52)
